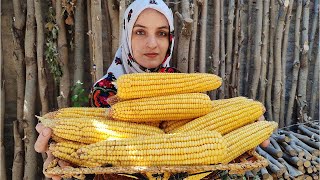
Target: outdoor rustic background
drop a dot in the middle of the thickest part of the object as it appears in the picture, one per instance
(53, 51)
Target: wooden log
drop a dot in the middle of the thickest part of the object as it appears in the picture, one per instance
(256, 70)
(230, 38)
(309, 170)
(304, 65)
(184, 36)
(299, 178)
(293, 160)
(309, 133)
(272, 151)
(293, 137)
(293, 172)
(275, 144)
(264, 51)
(280, 138)
(303, 138)
(302, 169)
(317, 131)
(315, 169)
(289, 149)
(274, 176)
(313, 151)
(315, 164)
(3, 174)
(296, 63)
(216, 39)
(314, 125)
(203, 36)
(274, 169)
(306, 163)
(307, 177)
(286, 175)
(281, 167)
(265, 174)
(193, 39)
(317, 160)
(307, 155)
(249, 175)
(222, 62)
(298, 149)
(307, 140)
(315, 176)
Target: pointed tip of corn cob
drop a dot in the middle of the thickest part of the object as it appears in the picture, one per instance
(110, 113)
(113, 100)
(273, 124)
(50, 115)
(47, 122)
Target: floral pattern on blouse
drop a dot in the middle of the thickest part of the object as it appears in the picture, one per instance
(104, 88)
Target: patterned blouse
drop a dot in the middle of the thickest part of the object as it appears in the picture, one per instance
(104, 88)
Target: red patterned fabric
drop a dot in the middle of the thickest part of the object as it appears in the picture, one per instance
(104, 88)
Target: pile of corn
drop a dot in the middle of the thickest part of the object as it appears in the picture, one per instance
(159, 119)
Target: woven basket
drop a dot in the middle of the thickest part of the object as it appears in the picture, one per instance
(246, 162)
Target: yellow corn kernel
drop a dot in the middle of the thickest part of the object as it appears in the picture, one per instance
(142, 85)
(227, 118)
(67, 151)
(190, 148)
(247, 137)
(92, 130)
(171, 107)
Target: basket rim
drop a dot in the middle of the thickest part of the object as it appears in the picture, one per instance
(232, 167)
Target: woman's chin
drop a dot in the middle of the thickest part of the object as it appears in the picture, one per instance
(150, 65)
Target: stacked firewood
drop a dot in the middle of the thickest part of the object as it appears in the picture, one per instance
(292, 155)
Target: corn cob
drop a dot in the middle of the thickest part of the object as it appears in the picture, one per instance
(67, 151)
(85, 112)
(78, 112)
(190, 148)
(172, 107)
(152, 123)
(222, 103)
(247, 137)
(141, 85)
(91, 130)
(169, 126)
(227, 118)
(58, 139)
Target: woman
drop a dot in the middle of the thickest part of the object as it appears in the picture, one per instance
(146, 46)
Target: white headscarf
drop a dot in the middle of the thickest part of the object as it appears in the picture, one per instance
(123, 62)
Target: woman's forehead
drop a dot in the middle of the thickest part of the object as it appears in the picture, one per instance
(151, 16)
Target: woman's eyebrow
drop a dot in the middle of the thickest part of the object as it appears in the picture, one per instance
(138, 25)
(163, 27)
(141, 26)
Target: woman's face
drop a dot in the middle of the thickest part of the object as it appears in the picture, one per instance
(150, 38)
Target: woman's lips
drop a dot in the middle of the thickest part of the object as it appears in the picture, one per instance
(151, 55)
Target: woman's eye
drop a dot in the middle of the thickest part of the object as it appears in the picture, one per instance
(163, 33)
(140, 33)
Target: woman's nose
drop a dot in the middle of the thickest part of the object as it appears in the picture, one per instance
(152, 42)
